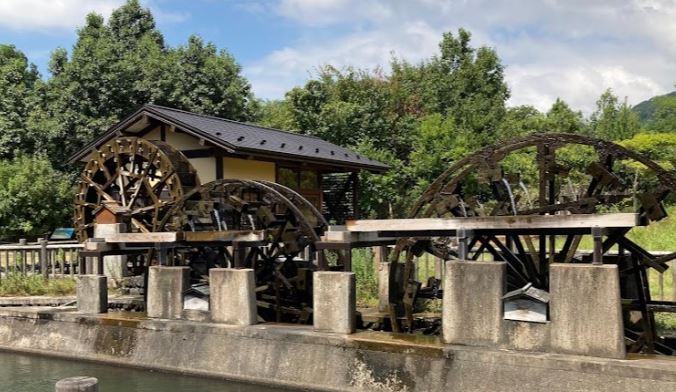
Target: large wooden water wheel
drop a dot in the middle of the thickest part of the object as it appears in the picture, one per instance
(139, 180)
(552, 174)
(290, 225)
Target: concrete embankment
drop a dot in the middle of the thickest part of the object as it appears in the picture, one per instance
(297, 357)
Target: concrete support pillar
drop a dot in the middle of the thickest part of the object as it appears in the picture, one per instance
(335, 302)
(165, 291)
(472, 306)
(585, 310)
(92, 294)
(232, 298)
(114, 267)
(383, 274)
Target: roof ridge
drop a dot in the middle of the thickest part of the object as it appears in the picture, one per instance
(232, 121)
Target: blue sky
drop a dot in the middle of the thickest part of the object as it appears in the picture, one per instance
(573, 49)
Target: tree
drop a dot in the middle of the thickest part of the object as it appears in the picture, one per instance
(462, 82)
(200, 78)
(562, 119)
(18, 79)
(521, 121)
(116, 67)
(276, 114)
(34, 197)
(613, 120)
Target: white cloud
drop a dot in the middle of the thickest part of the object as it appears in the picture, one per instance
(39, 15)
(49, 15)
(573, 49)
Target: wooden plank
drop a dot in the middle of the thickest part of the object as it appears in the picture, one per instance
(141, 238)
(223, 236)
(576, 221)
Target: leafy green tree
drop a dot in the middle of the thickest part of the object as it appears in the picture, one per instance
(562, 119)
(200, 78)
(521, 121)
(117, 66)
(613, 120)
(276, 114)
(462, 82)
(18, 79)
(34, 197)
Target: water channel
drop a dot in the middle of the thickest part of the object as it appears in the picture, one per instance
(31, 373)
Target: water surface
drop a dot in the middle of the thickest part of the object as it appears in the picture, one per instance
(32, 373)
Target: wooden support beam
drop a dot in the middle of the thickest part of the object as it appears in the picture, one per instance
(532, 222)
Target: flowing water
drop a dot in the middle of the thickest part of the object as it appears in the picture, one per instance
(30, 373)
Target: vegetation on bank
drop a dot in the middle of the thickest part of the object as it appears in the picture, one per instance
(28, 285)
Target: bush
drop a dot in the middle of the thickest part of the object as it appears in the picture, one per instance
(34, 197)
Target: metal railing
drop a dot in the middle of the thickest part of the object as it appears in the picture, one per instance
(56, 259)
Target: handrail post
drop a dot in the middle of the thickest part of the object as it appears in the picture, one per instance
(24, 261)
(43, 257)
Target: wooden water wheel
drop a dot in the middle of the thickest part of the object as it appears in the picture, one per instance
(140, 180)
(552, 174)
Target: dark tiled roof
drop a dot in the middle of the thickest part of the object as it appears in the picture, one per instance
(251, 139)
(247, 137)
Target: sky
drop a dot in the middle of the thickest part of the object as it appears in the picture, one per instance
(571, 49)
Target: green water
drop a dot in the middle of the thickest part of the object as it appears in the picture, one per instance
(30, 373)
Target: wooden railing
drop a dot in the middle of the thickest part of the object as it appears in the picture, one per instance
(56, 259)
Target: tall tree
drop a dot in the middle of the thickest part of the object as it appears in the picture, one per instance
(613, 120)
(200, 78)
(117, 66)
(462, 82)
(562, 119)
(17, 99)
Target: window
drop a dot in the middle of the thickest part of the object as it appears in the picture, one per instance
(309, 180)
(287, 177)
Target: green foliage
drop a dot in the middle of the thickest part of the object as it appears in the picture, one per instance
(613, 120)
(367, 283)
(34, 197)
(117, 66)
(464, 83)
(521, 121)
(646, 109)
(436, 144)
(276, 114)
(25, 285)
(562, 119)
(659, 147)
(663, 119)
(17, 99)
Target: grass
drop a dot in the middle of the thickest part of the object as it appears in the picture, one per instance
(28, 285)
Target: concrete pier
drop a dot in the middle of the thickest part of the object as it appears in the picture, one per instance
(335, 302)
(232, 297)
(472, 304)
(585, 310)
(114, 267)
(165, 291)
(92, 294)
(295, 356)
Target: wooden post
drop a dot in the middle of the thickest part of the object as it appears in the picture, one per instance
(24, 261)
(597, 235)
(43, 257)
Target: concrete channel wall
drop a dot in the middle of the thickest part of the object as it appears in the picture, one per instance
(298, 357)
